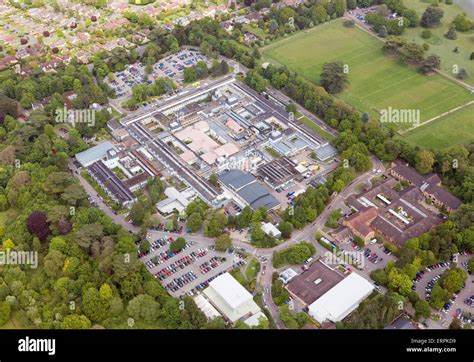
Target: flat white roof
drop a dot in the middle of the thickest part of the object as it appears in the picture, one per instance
(301, 169)
(287, 275)
(206, 307)
(230, 298)
(270, 228)
(175, 200)
(254, 320)
(95, 153)
(169, 204)
(145, 153)
(341, 299)
(172, 193)
(230, 290)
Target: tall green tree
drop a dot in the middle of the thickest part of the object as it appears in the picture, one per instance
(334, 77)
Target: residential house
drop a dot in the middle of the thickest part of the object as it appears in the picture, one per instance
(8, 61)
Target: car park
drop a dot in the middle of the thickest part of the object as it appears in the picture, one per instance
(372, 256)
(190, 269)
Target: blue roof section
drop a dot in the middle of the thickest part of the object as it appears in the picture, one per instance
(95, 153)
(325, 152)
(219, 129)
(254, 193)
(258, 196)
(236, 179)
(289, 146)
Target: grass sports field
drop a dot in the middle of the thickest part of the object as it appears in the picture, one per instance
(439, 44)
(377, 81)
(457, 128)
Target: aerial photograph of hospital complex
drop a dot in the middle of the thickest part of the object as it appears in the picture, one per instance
(237, 164)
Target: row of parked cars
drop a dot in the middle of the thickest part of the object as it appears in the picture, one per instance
(213, 263)
(129, 77)
(470, 301)
(175, 63)
(157, 244)
(372, 256)
(204, 284)
(200, 286)
(235, 252)
(92, 201)
(386, 251)
(165, 255)
(177, 265)
(120, 90)
(443, 264)
(355, 246)
(181, 281)
(449, 304)
(466, 265)
(466, 318)
(162, 227)
(419, 276)
(183, 262)
(430, 286)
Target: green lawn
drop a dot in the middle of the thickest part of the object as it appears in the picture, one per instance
(252, 270)
(377, 81)
(119, 173)
(248, 280)
(314, 127)
(442, 46)
(258, 32)
(457, 128)
(272, 152)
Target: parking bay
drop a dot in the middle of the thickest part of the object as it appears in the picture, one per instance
(229, 262)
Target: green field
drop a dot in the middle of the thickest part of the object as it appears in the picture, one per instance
(457, 128)
(252, 270)
(442, 46)
(314, 127)
(258, 32)
(377, 81)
